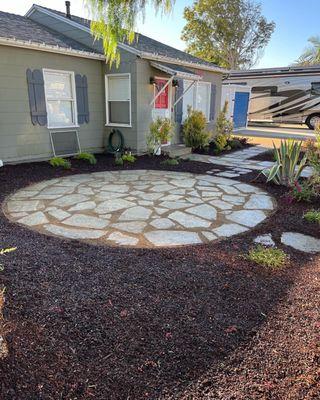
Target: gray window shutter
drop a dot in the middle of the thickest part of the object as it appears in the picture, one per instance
(212, 101)
(179, 92)
(37, 100)
(82, 98)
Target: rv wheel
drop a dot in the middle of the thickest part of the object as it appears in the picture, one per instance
(313, 120)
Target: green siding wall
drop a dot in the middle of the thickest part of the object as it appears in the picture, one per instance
(19, 139)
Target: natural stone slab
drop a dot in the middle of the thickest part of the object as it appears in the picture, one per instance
(209, 235)
(204, 211)
(113, 205)
(123, 240)
(305, 243)
(133, 227)
(223, 205)
(246, 217)
(259, 202)
(265, 240)
(24, 205)
(227, 230)
(162, 223)
(86, 221)
(236, 200)
(172, 238)
(86, 205)
(136, 213)
(189, 221)
(174, 205)
(74, 233)
(69, 200)
(37, 218)
(59, 214)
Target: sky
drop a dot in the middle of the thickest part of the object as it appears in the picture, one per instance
(295, 20)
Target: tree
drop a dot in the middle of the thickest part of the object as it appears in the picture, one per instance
(230, 33)
(114, 21)
(311, 55)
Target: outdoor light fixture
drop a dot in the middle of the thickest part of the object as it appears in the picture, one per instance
(175, 83)
(152, 80)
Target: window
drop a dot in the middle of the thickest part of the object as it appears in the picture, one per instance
(315, 88)
(60, 98)
(198, 97)
(118, 99)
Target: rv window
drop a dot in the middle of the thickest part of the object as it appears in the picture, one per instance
(264, 89)
(315, 88)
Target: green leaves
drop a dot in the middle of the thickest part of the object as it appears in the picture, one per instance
(287, 169)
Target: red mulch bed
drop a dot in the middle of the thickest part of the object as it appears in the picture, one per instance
(196, 322)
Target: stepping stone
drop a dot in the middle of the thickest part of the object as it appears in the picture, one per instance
(162, 188)
(172, 197)
(86, 221)
(236, 200)
(162, 223)
(172, 238)
(189, 221)
(145, 203)
(37, 218)
(19, 215)
(228, 174)
(265, 240)
(246, 217)
(227, 230)
(204, 211)
(223, 205)
(136, 213)
(160, 211)
(70, 200)
(243, 187)
(74, 233)
(113, 205)
(184, 183)
(24, 194)
(24, 206)
(134, 227)
(116, 188)
(56, 190)
(305, 243)
(59, 214)
(259, 202)
(174, 205)
(150, 196)
(122, 240)
(229, 189)
(209, 235)
(86, 205)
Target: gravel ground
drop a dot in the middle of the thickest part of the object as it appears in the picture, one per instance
(196, 322)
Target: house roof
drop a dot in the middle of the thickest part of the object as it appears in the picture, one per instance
(176, 70)
(142, 44)
(19, 28)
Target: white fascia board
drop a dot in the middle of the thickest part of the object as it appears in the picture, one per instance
(50, 49)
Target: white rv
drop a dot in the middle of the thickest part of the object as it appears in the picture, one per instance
(281, 95)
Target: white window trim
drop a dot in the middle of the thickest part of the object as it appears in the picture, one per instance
(195, 93)
(74, 95)
(128, 74)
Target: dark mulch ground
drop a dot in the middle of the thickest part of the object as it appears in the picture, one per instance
(197, 322)
(211, 150)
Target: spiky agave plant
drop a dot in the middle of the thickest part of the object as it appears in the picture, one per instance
(287, 169)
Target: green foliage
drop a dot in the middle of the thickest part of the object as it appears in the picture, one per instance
(230, 33)
(7, 250)
(161, 131)
(88, 157)
(221, 142)
(128, 158)
(194, 130)
(114, 21)
(268, 257)
(223, 125)
(235, 144)
(118, 161)
(312, 216)
(287, 168)
(311, 54)
(57, 162)
(312, 147)
(170, 162)
(303, 191)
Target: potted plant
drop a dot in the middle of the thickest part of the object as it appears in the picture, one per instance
(161, 131)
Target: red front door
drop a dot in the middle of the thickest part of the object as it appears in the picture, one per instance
(162, 101)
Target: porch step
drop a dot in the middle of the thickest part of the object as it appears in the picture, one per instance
(176, 150)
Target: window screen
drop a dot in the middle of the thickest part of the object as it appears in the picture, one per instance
(118, 99)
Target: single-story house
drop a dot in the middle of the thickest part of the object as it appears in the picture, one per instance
(58, 91)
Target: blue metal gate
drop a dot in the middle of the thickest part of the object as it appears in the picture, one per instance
(240, 111)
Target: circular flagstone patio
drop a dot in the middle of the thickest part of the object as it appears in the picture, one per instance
(141, 208)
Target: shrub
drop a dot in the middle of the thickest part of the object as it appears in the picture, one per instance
(303, 191)
(161, 131)
(287, 169)
(235, 144)
(221, 142)
(194, 130)
(118, 161)
(57, 162)
(170, 161)
(223, 125)
(268, 257)
(128, 158)
(88, 157)
(312, 216)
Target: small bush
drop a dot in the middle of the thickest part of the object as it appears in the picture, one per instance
(57, 162)
(128, 158)
(118, 161)
(161, 131)
(170, 162)
(303, 191)
(194, 130)
(235, 144)
(221, 142)
(312, 216)
(223, 125)
(268, 257)
(88, 157)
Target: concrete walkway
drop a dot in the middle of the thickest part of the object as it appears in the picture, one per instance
(140, 208)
